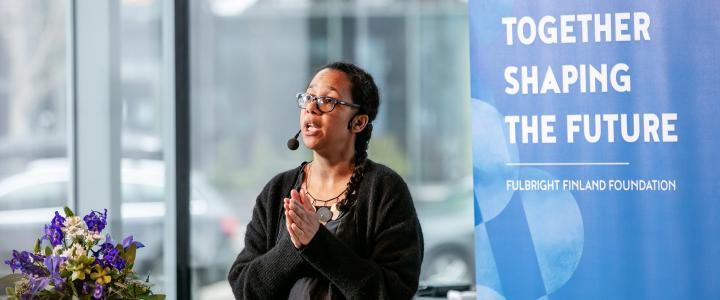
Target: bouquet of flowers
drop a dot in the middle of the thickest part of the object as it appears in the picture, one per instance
(77, 264)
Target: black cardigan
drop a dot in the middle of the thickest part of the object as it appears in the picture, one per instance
(376, 252)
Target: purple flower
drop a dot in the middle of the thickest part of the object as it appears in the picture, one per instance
(58, 220)
(112, 258)
(54, 235)
(99, 289)
(37, 283)
(53, 231)
(109, 256)
(13, 262)
(85, 288)
(25, 262)
(109, 239)
(104, 248)
(96, 221)
(129, 241)
(53, 263)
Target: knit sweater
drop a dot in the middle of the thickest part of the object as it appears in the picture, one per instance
(375, 253)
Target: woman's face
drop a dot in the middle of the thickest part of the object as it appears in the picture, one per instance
(327, 131)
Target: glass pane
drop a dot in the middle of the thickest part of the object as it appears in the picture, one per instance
(35, 195)
(34, 172)
(143, 167)
(248, 62)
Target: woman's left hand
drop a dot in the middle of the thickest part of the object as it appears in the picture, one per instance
(300, 219)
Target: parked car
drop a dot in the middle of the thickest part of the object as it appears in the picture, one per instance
(28, 200)
(446, 216)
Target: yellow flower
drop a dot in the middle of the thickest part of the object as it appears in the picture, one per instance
(80, 267)
(101, 275)
(79, 274)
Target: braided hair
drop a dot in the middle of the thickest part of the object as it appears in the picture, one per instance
(364, 93)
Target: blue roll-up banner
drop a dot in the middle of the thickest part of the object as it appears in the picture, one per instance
(596, 134)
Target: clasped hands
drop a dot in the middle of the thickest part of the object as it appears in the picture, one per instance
(300, 219)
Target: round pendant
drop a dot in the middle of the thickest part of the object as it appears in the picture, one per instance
(324, 213)
(335, 212)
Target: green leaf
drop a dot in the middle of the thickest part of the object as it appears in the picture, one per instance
(69, 212)
(87, 260)
(129, 254)
(48, 251)
(11, 279)
(36, 248)
(9, 291)
(74, 290)
(153, 297)
(65, 273)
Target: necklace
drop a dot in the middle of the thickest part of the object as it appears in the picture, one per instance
(323, 212)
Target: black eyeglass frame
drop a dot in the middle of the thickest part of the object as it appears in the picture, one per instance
(320, 100)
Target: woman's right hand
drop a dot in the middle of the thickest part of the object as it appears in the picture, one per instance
(300, 219)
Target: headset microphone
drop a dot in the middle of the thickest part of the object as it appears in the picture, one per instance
(293, 143)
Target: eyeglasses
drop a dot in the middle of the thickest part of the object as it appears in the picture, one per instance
(324, 104)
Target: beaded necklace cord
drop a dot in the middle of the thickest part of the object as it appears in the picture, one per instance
(323, 212)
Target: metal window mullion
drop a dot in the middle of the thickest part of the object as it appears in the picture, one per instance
(95, 105)
(176, 150)
(412, 81)
(71, 147)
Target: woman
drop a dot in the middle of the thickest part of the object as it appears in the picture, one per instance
(341, 226)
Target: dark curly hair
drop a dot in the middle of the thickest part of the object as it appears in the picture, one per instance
(364, 93)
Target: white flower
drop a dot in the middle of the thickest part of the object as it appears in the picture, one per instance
(58, 249)
(92, 236)
(73, 222)
(74, 227)
(75, 251)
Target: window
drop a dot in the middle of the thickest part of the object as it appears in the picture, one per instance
(33, 137)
